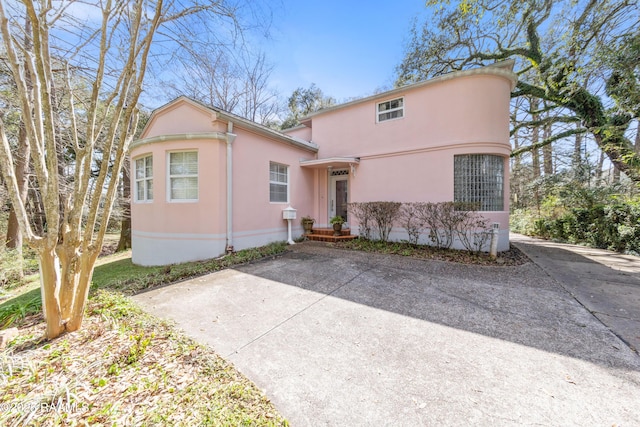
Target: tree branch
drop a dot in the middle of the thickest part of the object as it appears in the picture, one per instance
(545, 121)
(548, 141)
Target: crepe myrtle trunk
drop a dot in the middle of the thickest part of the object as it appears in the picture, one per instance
(65, 281)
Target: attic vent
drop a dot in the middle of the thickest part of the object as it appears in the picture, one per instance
(340, 172)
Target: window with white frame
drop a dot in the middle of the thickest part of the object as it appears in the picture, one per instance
(479, 180)
(183, 175)
(389, 110)
(144, 179)
(278, 183)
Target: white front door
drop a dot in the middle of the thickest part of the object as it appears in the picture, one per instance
(338, 194)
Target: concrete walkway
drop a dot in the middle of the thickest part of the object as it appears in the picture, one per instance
(606, 283)
(337, 338)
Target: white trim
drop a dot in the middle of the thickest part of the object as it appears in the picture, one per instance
(330, 161)
(231, 137)
(390, 110)
(151, 248)
(287, 184)
(178, 137)
(144, 181)
(158, 250)
(333, 179)
(196, 175)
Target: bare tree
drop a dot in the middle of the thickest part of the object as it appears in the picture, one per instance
(259, 101)
(237, 82)
(22, 158)
(109, 44)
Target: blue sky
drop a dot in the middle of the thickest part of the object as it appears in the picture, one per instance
(347, 48)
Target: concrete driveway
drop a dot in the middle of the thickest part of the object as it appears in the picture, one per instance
(336, 337)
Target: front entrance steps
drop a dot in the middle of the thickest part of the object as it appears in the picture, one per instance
(326, 235)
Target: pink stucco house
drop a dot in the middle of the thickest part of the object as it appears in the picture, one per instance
(205, 180)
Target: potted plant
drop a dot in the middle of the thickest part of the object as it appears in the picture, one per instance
(307, 224)
(337, 222)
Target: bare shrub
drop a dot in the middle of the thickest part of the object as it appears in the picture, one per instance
(384, 214)
(446, 220)
(473, 231)
(362, 212)
(442, 220)
(411, 221)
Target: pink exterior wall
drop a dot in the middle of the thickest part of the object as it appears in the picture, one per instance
(411, 158)
(257, 220)
(167, 232)
(407, 160)
(178, 119)
(301, 132)
(162, 215)
(456, 111)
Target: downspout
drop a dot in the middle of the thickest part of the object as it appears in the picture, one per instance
(329, 200)
(230, 138)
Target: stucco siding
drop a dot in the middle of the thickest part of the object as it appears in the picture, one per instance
(407, 159)
(167, 231)
(180, 118)
(253, 210)
(468, 109)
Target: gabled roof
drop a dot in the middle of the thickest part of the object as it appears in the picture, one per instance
(230, 117)
(502, 68)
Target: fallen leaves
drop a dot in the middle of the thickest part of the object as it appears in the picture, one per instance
(130, 369)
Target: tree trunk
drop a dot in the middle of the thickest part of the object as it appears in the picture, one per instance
(535, 137)
(125, 228)
(14, 236)
(600, 170)
(35, 208)
(50, 283)
(577, 151)
(64, 282)
(517, 159)
(21, 158)
(516, 172)
(77, 271)
(610, 139)
(547, 153)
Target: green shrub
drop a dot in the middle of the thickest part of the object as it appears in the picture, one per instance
(522, 221)
(615, 227)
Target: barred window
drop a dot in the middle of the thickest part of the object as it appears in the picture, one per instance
(278, 183)
(183, 175)
(479, 180)
(144, 179)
